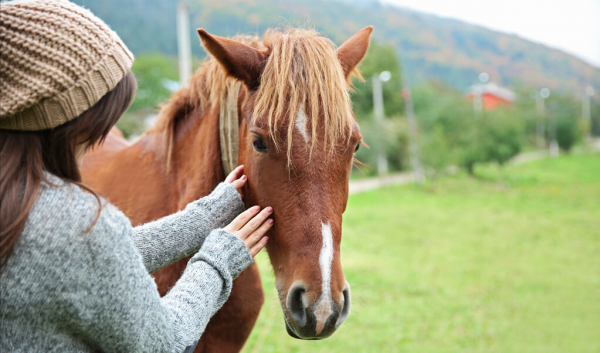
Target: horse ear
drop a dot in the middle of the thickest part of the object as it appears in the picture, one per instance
(239, 60)
(354, 50)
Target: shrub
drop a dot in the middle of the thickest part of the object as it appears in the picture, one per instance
(153, 72)
(394, 139)
(569, 127)
(502, 137)
(435, 150)
(568, 132)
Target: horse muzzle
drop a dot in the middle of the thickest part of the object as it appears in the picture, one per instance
(318, 320)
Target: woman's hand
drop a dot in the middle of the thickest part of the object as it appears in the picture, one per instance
(250, 226)
(237, 178)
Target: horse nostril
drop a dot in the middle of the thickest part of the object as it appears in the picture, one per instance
(346, 307)
(296, 303)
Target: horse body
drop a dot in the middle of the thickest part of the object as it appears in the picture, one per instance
(178, 161)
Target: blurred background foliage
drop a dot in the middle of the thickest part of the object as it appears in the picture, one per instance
(440, 57)
(431, 46)
(157, 78)
(155, 74)
(380, 57)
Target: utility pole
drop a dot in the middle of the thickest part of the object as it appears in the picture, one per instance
(539, 127)
(382, 165)
(183, 43)
(586, 113)
(540, 106)
(478, 93)
(553, 145)
(478, 100)
(413, 148)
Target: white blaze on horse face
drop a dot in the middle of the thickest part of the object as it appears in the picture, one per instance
(323, 310)
(300, 123)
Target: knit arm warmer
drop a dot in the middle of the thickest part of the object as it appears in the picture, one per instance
(171, 238)
(208, 275)
(136, 319)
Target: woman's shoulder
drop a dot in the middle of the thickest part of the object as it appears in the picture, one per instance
(67, 208)
(64, 228)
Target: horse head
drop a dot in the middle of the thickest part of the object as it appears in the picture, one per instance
(298, 135)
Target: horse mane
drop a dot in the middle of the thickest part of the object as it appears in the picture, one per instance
(302, 72)
(204, 90)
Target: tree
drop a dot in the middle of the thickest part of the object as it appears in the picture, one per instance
(452, 134)
(154, 74)
(379, 58)
(565, 110)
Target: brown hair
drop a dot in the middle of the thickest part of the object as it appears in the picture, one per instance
(26, 155)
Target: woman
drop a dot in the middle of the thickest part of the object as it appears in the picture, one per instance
(75, 274)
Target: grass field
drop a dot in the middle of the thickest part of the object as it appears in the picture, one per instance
(507, 262)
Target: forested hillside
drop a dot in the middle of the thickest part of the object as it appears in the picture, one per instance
(429, 46)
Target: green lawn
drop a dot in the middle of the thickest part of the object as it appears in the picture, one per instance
(507, 262)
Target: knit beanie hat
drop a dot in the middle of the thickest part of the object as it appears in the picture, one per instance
(58, 60)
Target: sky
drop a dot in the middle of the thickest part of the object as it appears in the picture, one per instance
(570, 25)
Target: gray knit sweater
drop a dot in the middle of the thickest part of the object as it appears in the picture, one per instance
(64, 290)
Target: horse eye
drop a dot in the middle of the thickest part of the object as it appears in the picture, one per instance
(260, 145)
(357, 147)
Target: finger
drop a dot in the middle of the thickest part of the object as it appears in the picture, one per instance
(242, 219)
(258, 247)
(255, 222)
(239, 183)
(235, 174)
(253, 238)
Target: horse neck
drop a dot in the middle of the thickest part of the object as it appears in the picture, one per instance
(197, 156)
(194, 167)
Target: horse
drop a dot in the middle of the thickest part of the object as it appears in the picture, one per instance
(296, 137)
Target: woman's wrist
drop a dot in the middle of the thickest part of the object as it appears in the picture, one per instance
(224, 250)
(217, 209)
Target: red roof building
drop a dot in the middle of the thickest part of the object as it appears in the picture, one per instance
(492, 95)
